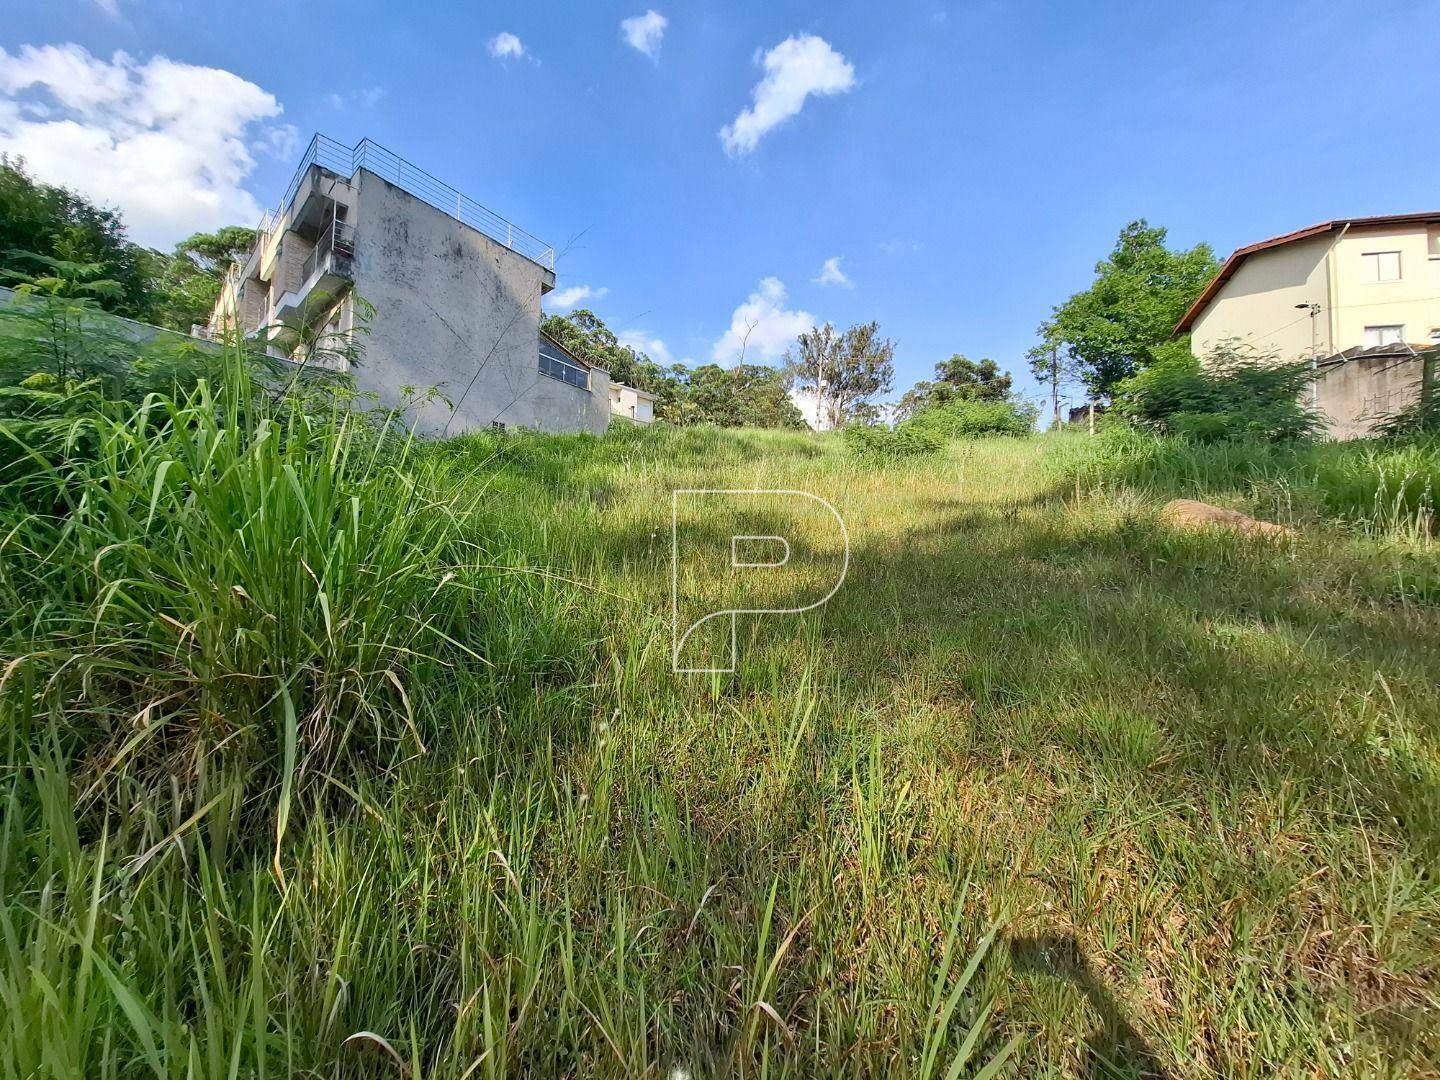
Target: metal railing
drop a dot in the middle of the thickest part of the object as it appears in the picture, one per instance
(337, 241)
(367, 154)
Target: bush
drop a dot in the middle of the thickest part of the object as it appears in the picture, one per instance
(1234, 395)
(877, 445)
(973, 419)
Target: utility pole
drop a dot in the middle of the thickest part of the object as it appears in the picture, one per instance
(1055, 384)
(1314, 310)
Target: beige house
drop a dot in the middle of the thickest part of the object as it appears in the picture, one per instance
(631, 403)
(1340, 287)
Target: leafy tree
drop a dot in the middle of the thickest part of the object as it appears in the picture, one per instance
(186, 283)
(585, 334)
(746, 395)
(956, 379)
(1124, 321)
(43, 220)
(63, 277)
(843, 370)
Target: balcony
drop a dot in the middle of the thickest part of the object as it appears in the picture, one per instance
(328, 157)
(326, 269)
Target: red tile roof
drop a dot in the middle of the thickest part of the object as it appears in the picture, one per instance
(1233, 262)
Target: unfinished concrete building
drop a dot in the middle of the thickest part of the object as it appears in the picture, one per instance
(372, 265)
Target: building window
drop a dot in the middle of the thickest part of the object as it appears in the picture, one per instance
(1432, 239)
(1382, 265)
(554, 363)
(1383, 335)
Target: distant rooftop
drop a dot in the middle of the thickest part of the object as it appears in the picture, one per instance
(368, 154)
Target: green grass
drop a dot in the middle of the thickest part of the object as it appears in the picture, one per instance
(1045, 787)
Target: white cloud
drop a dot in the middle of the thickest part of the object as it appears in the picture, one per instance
(109, 8)
(572, 296)
(167, 143)
(761, 328)
(279, 141)
(506, 46)
(645, 32)
(794, 69)
(368, 98)
(642, 341)
(831, 274)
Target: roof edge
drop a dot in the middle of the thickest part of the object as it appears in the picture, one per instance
(1239, 255)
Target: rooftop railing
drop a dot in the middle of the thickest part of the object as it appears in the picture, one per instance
(347, 160)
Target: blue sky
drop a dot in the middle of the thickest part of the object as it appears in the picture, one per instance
(967, 172)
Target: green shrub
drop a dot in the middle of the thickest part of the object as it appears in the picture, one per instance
(972, 419)
(876, 445)
(1234, 395)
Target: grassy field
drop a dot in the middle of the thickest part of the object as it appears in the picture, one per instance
(388, 772)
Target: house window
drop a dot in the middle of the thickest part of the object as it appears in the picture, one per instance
(1432, 239)
(554, 363)
(1383, 335)
(1382, 265)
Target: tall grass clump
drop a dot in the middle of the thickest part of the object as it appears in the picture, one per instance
(1384, 487)
(226, 600)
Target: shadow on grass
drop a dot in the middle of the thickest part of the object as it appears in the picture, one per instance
(1115, 1049)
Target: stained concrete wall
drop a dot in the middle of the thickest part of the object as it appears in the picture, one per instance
(1355, 394)
(458, 312)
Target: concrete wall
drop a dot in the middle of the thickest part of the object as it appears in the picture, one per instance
(1355, 394)
(458, 312)
(1257, 305)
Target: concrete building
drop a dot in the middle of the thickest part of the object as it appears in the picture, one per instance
(1328, 293)
(631, 403)
(372, 265)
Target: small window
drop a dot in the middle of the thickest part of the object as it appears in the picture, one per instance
(1382, 265)
(554, 363)
(1383, 335)
(1432, 239)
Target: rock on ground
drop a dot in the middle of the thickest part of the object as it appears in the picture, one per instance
(1193, 514)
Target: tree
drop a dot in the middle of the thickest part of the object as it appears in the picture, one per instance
(842, 370)
(956, 379)
(43, 220)
(747, 395)
(186, 283)
(47, 222)
(1054, 366)
(1124, 319)
(585, 334)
